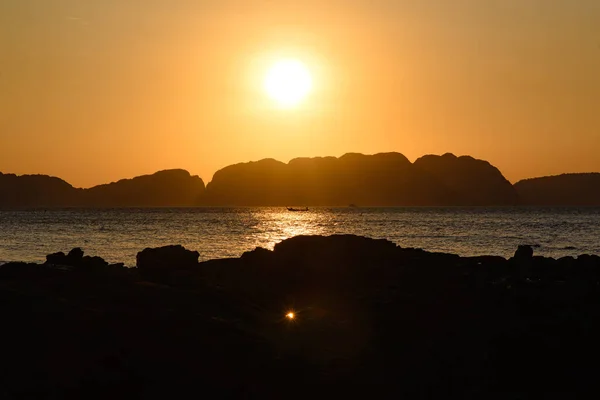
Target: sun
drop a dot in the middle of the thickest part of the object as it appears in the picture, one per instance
(288, 82)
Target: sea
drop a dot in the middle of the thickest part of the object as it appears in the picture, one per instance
(117, 235)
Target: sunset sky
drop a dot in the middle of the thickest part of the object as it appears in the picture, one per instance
(97, 90)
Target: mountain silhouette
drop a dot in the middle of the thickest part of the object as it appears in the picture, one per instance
(164, 188)
(170, 188)
(561, 190)
(471, 181)
(385, 179)
(34, 191)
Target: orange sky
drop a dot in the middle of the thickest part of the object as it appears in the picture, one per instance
(98, 90)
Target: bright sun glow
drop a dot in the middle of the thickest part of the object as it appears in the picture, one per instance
(288, 82)
(290, 315)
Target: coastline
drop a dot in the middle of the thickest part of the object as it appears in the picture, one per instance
(370, 317)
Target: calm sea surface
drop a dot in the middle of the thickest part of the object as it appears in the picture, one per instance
(118, 234)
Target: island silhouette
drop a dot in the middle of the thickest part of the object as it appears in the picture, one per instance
(565, 189)
(385, 179)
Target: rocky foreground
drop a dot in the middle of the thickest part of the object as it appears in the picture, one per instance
(370, 319)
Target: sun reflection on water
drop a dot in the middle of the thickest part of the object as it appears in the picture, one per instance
(118, 234)
(278, 226)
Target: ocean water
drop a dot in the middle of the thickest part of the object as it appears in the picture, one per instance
(118, 234)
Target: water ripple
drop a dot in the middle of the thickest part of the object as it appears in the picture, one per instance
(118, 234)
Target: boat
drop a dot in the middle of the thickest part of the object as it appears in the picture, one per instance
(297, 209)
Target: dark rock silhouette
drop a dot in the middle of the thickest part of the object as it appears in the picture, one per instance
(369, 315)
(76, 259)
(169, 265)
(76, 253)
(561, 190)
(58, 259)
(524, 253)
(386, 179)
(158, 262)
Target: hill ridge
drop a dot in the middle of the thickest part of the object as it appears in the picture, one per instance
(380, 179)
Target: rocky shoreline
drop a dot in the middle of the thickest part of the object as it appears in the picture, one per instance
(370, 318)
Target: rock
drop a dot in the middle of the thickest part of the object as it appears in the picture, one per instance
(567, 261)
(93, 262)
(590, 259)
(257, 254)
(367, 314)
(75, 259)
(27, 271)
(165, 258)
(524, 253)
(75, 254)
(342, 247)
(56, 258)
(486, 260)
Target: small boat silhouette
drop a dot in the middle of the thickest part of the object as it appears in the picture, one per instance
(297, 209)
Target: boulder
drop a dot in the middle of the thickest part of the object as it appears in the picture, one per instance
(75, 259)
(524, 253)
(589, 259)
(567, 261)
(56, 258)
(338, 247)
(27, 271)
(93, 262)
(166, 258)
(257, 255)
(75, 254)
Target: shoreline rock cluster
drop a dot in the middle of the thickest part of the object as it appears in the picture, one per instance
(370, 318)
